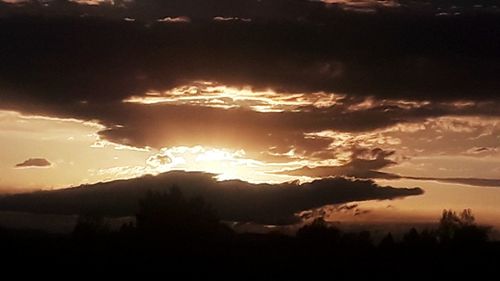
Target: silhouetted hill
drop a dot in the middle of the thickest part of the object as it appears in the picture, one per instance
(232, 200)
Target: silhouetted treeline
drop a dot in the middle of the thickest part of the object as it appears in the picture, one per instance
(171, 229)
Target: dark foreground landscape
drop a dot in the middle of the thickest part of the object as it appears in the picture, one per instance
(172, 232)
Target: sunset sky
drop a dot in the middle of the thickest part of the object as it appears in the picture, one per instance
(405, 93)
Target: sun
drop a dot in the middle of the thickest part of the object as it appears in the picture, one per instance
(226, 164)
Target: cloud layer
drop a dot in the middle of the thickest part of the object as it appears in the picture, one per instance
(303, 82)
(120, 58)
(85, 67)
(233, 200)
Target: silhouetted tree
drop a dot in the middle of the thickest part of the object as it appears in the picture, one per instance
(461, 228)
(411, 238)
(319, 230)
(318, 237)
(466, 218)
(387, 243)
(171, 215)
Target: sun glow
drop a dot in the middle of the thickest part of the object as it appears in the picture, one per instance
(226, 164)
(210, 94)
(79, 155)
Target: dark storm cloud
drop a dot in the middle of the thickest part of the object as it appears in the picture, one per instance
(265, 9)
(233, 200)
(81, 61)
(67, 60)
(34, 162)
(199, 9)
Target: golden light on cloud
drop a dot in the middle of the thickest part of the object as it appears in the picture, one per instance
(371, 102)
(344, 144)
(363, 5)
(93, 2)
(181, 19)
(211, 94)
(226, 164)
(389, 3)
(79, 155)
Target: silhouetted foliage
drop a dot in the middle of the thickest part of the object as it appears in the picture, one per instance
(461, 228)
(326, 237)
(319, 231)
(171, 215)
(171, 229)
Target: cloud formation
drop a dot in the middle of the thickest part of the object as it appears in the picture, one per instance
(363, 164)
(363, 6)
(233, 200)
(366, 164)
(85, 67)
(180, 19)
(93, 70)
(121, 59)
(302, 81)
(34, 163)
(464, 181)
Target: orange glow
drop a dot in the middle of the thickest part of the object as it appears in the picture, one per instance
(226, 164)
(79, 155)
(93, 2)
(211, 94)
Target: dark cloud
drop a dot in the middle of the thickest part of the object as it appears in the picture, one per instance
(262, 9)
(333, 210)
(359, 212)
(85, 67)
(81, 61)
(75, 59)
(349, 170)
(357, 167)
(34, 162)
(233, 200)
(161, 125)
(369, 169)
(479, 150)
(465, 181)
